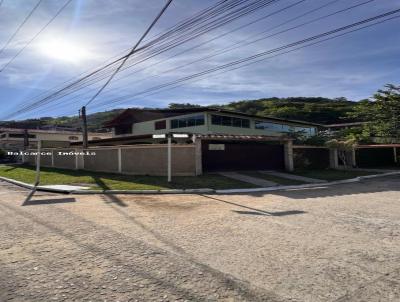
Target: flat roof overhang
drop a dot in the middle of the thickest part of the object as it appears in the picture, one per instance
(125, 140)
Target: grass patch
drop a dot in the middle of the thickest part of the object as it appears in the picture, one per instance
(276, 179)
(109, 181)
(332, 175)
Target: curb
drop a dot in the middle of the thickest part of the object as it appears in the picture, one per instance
(88, 192)
(193, 191)
(305, 186)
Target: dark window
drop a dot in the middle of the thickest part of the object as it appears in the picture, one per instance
(160, 125)
(190, 121)
(230, 121)
(123, 129)
(174, 123)
(73, 138)
(182, 123)
(18, 135)
(245, 123)
(269, 126)
(199, 120)
(96, 137)
(216, 119)
(226, 121)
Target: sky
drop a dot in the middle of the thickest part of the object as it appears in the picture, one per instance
(89, 33)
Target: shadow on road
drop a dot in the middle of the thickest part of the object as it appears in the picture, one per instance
(110, 197)
(255, 211)
(34, 202)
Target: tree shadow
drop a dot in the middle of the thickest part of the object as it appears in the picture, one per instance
(255, 211)
(110, 197)
(47, 201)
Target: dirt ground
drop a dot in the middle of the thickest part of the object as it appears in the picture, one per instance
(339, 243)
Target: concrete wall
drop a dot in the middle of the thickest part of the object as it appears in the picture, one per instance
(152, 160)
(64, 161)
(136, 160)
(105, 160)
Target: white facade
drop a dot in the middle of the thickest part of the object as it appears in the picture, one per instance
(216, 123)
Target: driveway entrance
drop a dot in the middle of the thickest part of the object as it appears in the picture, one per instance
(246, 155)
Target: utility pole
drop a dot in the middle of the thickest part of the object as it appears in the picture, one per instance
(169, 156)
(84, 127)
(26, 139)
(37, 176)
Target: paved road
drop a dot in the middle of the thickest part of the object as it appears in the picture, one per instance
(327, 244)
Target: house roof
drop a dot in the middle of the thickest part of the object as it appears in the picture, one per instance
(242, 137)
(133, 115)
(345, 124)
(17, 130)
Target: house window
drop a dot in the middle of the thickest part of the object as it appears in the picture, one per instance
(191, 121)
(21, 135)
(96, 137)
(73, 138)
(160, 125)
(306, 130)
(224, 120)
(123, 129)
(269, 126)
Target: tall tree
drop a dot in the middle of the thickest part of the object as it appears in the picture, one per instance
(382, 113)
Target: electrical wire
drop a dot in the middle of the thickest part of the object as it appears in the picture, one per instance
(20, 26)
(36, 35)
(228, 17)
(130, 53)
(234, 46)
(262, 54)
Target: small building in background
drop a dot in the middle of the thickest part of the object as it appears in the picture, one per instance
(12, 139)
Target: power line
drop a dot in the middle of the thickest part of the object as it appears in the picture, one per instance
(242, 43)
(20, 26)
(196, 17)
(131, 52)
(214, 23)
(36, 35)
(262, 57)
(263, 54)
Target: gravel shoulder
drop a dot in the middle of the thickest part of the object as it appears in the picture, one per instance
(338, 243)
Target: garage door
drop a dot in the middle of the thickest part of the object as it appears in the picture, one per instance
(225, 156)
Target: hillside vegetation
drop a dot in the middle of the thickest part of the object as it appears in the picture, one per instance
(311, 109)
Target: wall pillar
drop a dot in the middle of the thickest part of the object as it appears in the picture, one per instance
(79, 160)
(353, 161)
(119, 160)
(288, 156)
(333, 158)
(52, 157)
(198, 157)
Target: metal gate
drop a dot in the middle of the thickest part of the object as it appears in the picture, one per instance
(225, 156)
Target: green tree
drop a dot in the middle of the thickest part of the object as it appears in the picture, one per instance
(382, 113)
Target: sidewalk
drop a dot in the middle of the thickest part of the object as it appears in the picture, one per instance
(293, 177)
(249, 179)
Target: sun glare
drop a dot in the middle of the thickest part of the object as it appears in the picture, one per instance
(64, 50)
